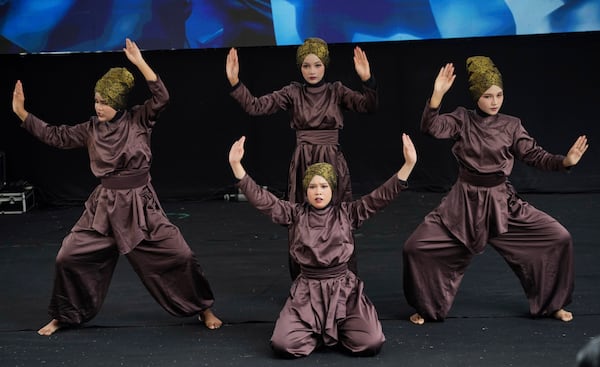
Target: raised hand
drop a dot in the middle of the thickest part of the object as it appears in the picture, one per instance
(410, 157)
(236, 153)
(132, 52)
(576, 151)
(134, 55)
(445, 79)
(442, 84)
(361, 64)
(18, 101)
(408, 148)
(232, 67)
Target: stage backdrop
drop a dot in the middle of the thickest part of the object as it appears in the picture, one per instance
(551, 83)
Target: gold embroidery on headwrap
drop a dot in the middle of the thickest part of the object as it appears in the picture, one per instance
(114, 87)
(314, 46)
(482, 75)
(324, 170)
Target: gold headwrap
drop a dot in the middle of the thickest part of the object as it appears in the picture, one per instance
(314, 46)
(324, 170)
(114, 87)
(482, 75)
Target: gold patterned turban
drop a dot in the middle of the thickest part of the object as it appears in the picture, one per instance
(324, 170)
(482, 75)
(114, 87)
(314, 46)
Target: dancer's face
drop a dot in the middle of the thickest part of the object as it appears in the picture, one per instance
(103, 110)
(491, 100)
(313, 69)
(319, 192)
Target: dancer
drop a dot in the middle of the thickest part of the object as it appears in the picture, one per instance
(483, 207)
(326, 304)
(123, 214)
(316, 113)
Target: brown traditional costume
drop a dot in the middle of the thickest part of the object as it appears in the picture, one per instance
(326, 304)
(122, 215)
(483, 208)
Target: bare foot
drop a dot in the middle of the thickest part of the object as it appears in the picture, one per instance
(563, 315)
(210, 320)
(50, 328)
(417, 319)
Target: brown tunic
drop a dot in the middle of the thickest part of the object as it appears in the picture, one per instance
(118, 148)
(483, 207)
(483, 146)
(122, 215)
(316, 113)
(326, 299)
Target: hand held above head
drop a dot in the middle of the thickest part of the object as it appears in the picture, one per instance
(18, 101)
(236, 153)
(576, 152)
(232, 67)
(134, 55)
(442, 84)
(132, 52)
(361, 64)
(410, 158)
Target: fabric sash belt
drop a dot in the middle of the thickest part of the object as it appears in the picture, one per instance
(323, 273)
(489, 180)
(125, 182)
(319, 137)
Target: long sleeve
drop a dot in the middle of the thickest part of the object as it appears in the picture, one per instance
(58, 136)
(150, 110)
(364, 101)
(488, 144)
(442, 126)
(365, 207)
(527, 150)
(310, 107)
(280, 211)
(265, 105)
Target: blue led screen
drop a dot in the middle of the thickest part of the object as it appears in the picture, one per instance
(34, 26)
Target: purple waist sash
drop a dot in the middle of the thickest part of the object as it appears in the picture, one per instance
(488, 180)
(125, 182)
(323, 273)
(320, 137)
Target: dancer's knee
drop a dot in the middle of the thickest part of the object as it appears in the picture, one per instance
(363, 346)
(410, 248)
(182, 255)
(64, 258)
(564, 237)
(289, 348)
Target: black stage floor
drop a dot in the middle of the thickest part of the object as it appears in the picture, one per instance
(244, 257)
